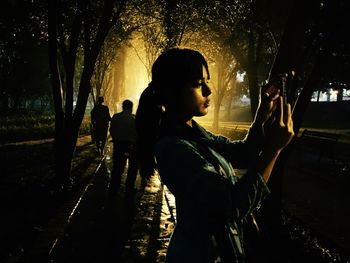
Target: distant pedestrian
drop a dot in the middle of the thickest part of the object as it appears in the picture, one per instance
(100, 118)
(123, 133)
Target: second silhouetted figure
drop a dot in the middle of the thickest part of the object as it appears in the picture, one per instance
(123, 133)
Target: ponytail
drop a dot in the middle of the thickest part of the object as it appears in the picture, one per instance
(148, 116)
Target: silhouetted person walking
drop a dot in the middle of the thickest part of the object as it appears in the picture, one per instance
(123, 133)
(100, 119)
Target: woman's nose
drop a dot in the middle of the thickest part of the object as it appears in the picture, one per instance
(206, 91)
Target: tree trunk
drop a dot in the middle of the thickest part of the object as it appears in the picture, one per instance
(252, 74)
(56, 91)
(170, 24)
(64, 150)
(340, 94)
(218, 96)
(67, 123)
(216, 117)
(4, 103)
(229, 106)
(253, 91)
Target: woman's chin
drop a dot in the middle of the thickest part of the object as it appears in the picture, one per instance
(202, 113)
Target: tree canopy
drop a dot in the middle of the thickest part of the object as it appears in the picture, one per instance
(86, 38)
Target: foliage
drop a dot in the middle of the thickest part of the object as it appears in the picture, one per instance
(24, 72)
(234, 35)
(86, 37)
(150, 32)
(246, 28)
(79, 27)
(166, 24)
(32, 126)
(112, 52)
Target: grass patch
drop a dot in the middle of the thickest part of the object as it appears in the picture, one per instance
(23, 127)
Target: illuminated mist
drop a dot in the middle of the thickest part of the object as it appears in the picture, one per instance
(135, 76)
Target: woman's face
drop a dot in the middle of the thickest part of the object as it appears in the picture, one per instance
(193, 98)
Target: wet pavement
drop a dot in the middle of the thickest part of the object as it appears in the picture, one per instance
(316, 192)
(97, 226)
(136, 226)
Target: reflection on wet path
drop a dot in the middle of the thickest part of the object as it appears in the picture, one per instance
(136, 226)
(103, 227)
(152, 226)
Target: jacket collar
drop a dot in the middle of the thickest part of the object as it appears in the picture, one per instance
(172, 127)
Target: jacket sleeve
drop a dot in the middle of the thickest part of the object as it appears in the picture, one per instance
(242, 154)
(188, 175)
(247, 194)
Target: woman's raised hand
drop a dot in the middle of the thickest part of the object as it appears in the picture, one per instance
(268, 97)
(281, 131)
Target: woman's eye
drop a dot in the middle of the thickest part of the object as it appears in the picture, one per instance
(197, 84)
(200, 83)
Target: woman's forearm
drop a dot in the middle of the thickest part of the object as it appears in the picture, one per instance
(266, 161)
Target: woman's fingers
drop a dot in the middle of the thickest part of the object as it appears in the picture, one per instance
(267, 104)
(289, 120)
(283, 132)
(273, 96)
(287, 114)
(270, 88)
(279, 110)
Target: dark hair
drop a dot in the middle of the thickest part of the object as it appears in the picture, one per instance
(100, 99)
(127, 105)
(171, 70)
(177, 66)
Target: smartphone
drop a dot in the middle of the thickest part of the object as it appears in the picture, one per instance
(283, 82)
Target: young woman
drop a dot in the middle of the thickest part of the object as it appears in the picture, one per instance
(196, 165)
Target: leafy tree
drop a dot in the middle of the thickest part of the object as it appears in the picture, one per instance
(249, 28)
(113, 88)
(110, 53)
(235, 93)
(22, 45)
(179, 23)
(110, 63)
(72, 26)
(151, 32)
(32, 76)
(223, 68)
(226, 75)
(166, 24)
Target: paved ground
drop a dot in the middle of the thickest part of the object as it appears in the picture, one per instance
(98, 227)
(317, 192)
(27, 199)
(135, 227)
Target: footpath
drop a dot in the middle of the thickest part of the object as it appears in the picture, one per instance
(136, 227)
(98, 227)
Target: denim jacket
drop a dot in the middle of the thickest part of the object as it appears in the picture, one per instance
(196, 166)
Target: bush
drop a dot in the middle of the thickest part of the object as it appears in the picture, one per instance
(31, 126)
